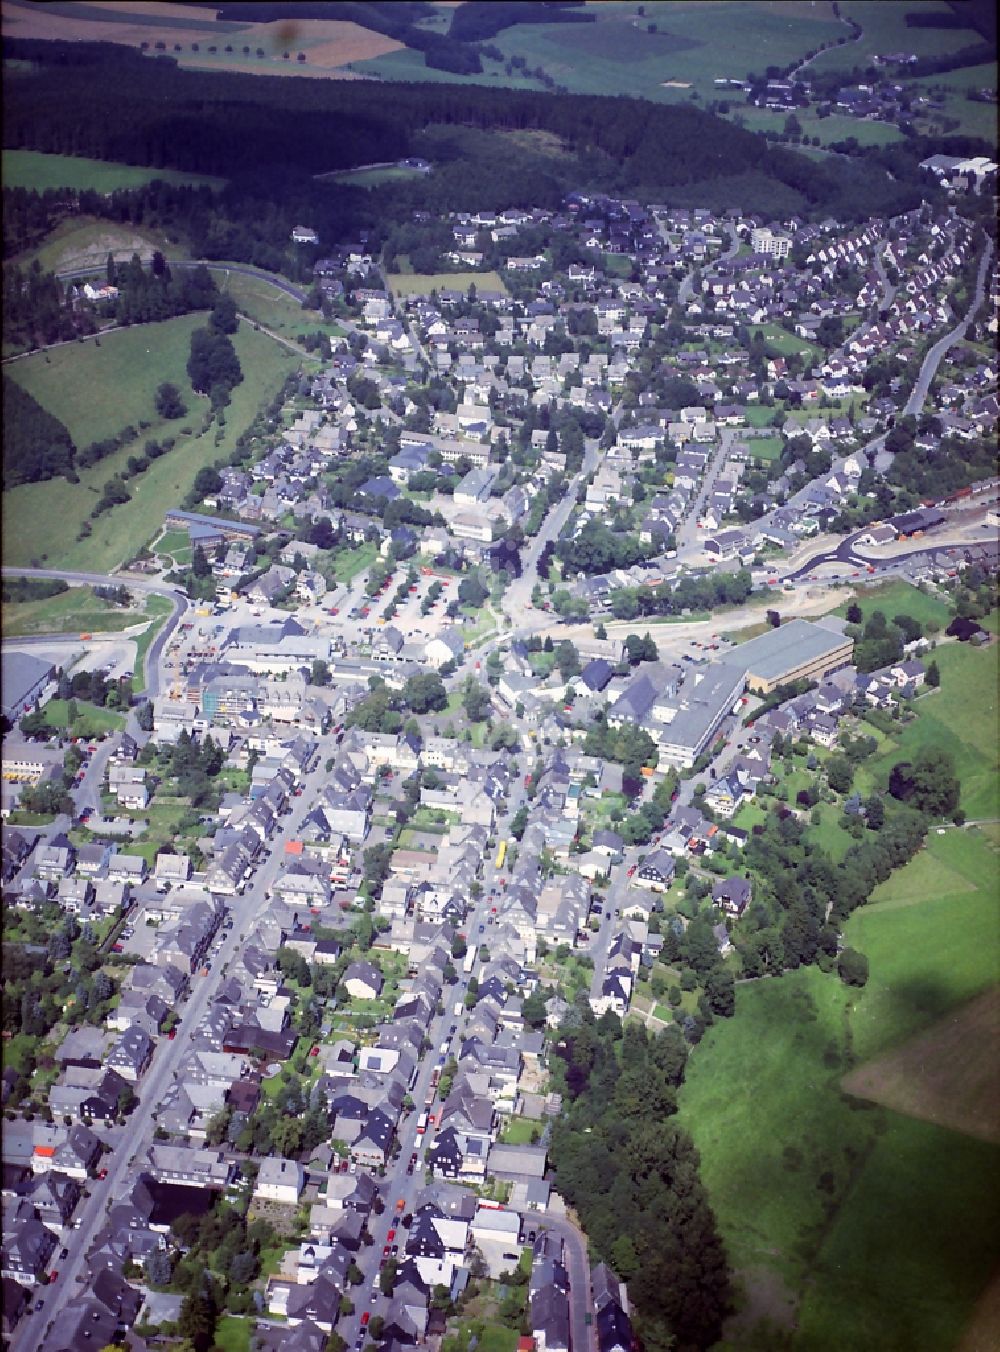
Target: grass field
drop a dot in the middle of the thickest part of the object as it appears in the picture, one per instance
(786, 343)
(83, 242)
(41, 520)
(423, 283)
(899, 598)
(31, 169)
(76, 610)
(962, 718)
(946, 1075)
(373, 178)
(128, 363)
(158, 608)
(267, 305)
(881, 1229)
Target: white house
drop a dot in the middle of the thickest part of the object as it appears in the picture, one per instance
(279, 1180)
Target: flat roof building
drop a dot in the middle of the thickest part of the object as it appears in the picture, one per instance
(797, 651)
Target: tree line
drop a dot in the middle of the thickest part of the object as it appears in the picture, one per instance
(631, 1172)
(36, 445)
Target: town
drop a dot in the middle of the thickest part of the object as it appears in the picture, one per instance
(481, 666)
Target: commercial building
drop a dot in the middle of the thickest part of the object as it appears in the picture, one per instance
(798, 651)
(683, 724)
(23, 678)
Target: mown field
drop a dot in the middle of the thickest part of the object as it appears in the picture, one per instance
(423, 283)
(850, 1225)
(41, 521)
(32, 169)
(373, 178)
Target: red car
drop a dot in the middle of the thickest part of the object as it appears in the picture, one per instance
(391, 1236)
(103, 1173)
(367, 1314)
(385, 1252)
(314, 1051)
(172, 1034)
(53, 1274)
(632, 870)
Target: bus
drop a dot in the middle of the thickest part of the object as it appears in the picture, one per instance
(470, 961)
(501, 854)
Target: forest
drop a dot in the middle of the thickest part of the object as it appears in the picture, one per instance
(632, 1174)
(108, 102)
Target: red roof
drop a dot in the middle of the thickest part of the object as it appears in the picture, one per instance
(293, 846)
(46, 1151)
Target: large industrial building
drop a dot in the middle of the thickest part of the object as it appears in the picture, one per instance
(797, 651)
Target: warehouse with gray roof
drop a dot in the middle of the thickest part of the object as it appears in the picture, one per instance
(798, 651)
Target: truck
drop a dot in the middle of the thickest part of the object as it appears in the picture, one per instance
(457, 1011)
(421, 1124)
(470, 960)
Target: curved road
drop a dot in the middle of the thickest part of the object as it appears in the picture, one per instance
(177, 599)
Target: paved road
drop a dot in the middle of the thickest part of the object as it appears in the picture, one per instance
(934, 357)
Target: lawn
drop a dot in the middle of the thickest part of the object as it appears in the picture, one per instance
(232, 1334)
(884, 1227)
(829, 835)
(41, 520)
(31, 169)
(348, 563)
(423, 283)
(765, 448)
(961, 718)
(75, 611)
(90, 720)
(899, 598)
(519, 1131)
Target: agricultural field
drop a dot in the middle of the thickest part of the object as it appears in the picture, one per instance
(41, 521)
(423, 283)
(962, 718)
(196, 39)
(665, 54)
(885, 30)
(83, 243)
(75, 611)
(32, 169)
(841, 1217)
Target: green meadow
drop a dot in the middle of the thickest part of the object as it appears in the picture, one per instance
(32, 169)
(41, 521)
(850, 1225)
